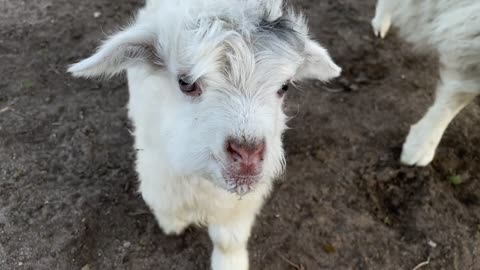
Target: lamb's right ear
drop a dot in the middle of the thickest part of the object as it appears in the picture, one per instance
(119, 52)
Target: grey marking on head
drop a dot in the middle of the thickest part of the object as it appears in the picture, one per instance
(285, 29)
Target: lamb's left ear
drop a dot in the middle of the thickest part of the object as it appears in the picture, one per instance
(118, 53)
(318, 64)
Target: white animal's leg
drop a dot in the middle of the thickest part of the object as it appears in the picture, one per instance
(169, 223)
(452, 96)
(168, 220)
(383, 19)
(164, 209)
(230, 244)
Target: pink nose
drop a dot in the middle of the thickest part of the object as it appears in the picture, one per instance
(248, 156)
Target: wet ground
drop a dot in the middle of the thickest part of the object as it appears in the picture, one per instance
(68, 190)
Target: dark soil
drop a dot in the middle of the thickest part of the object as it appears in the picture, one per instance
(68, 189)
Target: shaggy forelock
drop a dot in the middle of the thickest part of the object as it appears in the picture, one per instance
(245, 41)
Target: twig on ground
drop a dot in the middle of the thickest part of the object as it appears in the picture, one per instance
(425, 263)
(296, 266)
(139, 213)
(334, 90)
(5, 109)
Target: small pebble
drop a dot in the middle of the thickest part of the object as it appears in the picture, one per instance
(126, 244)
(344, 81)
(329, 248)
(317, 84)
(361, 78)
(432, 244)
(354, 87)
(97, 14)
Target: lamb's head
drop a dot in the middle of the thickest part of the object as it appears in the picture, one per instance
(207, 87)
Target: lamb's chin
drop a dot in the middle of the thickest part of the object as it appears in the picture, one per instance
(241, 184)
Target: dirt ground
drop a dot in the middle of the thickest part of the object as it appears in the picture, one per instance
(68, 190)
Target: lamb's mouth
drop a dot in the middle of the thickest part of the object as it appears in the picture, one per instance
(236, 183)
(241, 184)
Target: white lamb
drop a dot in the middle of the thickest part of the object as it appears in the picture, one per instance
(452, 28)
(207, 81)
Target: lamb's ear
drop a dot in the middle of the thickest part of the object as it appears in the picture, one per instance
(119, 52)
(318, 64)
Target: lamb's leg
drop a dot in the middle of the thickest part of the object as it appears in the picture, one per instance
(383, 19)
(230, 244)
(453, 94)
(169, 223)
(169, 220)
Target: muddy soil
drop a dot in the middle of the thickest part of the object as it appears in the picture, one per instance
(68, 190)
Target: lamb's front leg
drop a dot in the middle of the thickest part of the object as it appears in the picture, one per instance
(453, 94)
(383, 19)
(230, 243)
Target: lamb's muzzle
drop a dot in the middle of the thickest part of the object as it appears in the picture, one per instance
(245, 160)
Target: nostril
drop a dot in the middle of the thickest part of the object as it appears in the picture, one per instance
(233, 151)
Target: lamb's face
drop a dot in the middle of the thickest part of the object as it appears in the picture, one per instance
(209, 98)
(229, 90)
(227, 135)
(229, 122)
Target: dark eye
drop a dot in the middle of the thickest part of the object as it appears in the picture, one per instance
(189, 89)
(283, 90)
